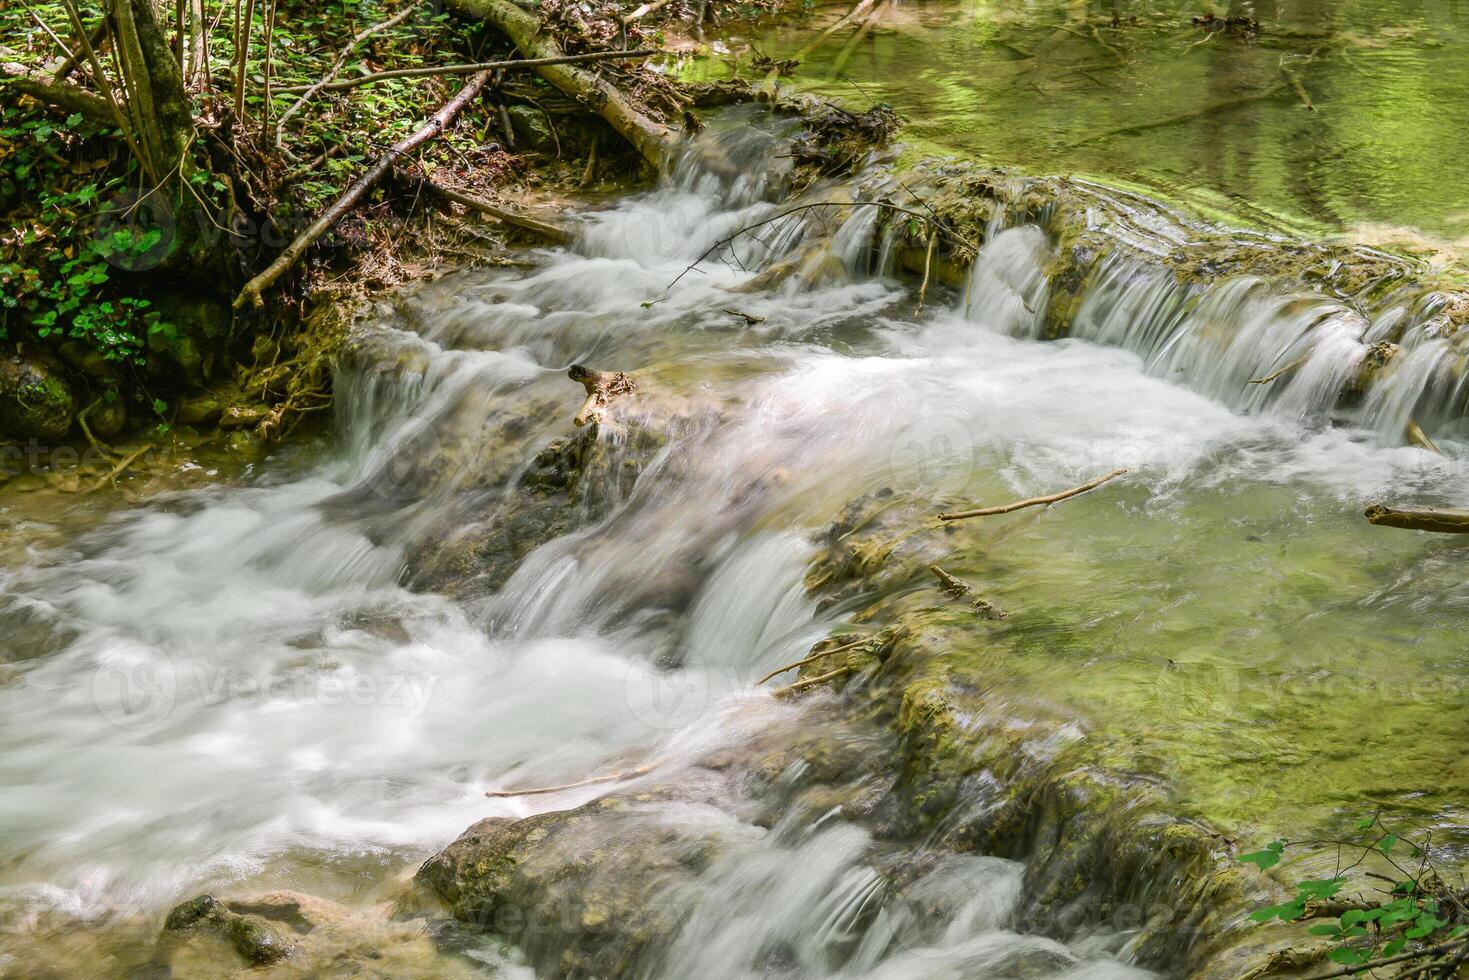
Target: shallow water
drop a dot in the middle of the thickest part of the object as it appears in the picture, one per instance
(236, 688)
(1029, 84)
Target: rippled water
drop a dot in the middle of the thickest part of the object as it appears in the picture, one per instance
(1030, 84)
(260, 686)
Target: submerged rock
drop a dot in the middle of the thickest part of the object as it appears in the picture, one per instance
(250, 935)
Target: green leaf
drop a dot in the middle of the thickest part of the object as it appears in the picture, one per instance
(1386, 844)
(159, 406)
(1267, 858)
(1324, 929)
(1320, 888)
(1347, 956)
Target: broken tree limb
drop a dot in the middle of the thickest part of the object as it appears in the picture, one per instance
(615, 777)
(252, 292)
(810, 682)
(644, 10)
(551, 232)
(1034, 501)
(1415, 436)
(1428, 519)
(465, 69)
(813, 658)
(653, 140)
(869, 21)
(601, 387)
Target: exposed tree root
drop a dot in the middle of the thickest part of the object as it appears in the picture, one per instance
(1034, 501)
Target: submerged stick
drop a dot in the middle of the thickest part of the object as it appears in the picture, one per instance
(813, 658)
(252, 292)
(811, 682)
(123, 464)
(1279, 371)
(1034, 501)
(1428, 519)
(616, 777)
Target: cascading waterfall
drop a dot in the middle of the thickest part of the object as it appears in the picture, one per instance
(255, 682)
(1241, 341)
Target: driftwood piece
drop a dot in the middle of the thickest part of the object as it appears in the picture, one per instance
(1427, 519)
(601, 387)
(252, 293)
(1034, 501)
(655, 141)
(811, 682)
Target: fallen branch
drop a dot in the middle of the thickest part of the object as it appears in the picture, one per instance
(1279, 371)
(869, 21)
(464, 69)
(615, 777)
(62, 95)
(1222, 105)
(858, 9)
(550, 232)
(252, 292)
(813, 658)
(337, 65)
(1428, 519)
(749, 318)
(117, 470)
(601, 387)
(1417, 437)
(1034, 501)
(656, 142)
(727, 240)
(644, 10)
(1387, 960)
(810, 682)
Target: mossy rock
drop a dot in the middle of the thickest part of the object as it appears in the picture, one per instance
(35, 400)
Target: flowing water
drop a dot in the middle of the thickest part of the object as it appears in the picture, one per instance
(290, 681)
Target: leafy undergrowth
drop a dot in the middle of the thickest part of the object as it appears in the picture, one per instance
(1386, 902)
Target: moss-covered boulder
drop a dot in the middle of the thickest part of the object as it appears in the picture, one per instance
(35, 400)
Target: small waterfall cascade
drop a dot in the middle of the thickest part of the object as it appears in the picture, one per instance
(1243, 341)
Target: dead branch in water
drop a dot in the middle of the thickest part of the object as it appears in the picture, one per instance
(1034, 501)
(813, 658)
(601, 387)
(811, 682)
(958, 588)
(1279, 371)
(252, 292)
(1415, 436)
(933, 223)
(863, 29)
(858, 9)
(465, 69)
(616, 777)
(1428, 519)
(116, 471)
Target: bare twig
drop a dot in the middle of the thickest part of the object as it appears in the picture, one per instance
(337, 65)
(1034, 501)
(813, 658)
(465, 69)
(615, 777)
(1279, 371)
(252, 292)
(123, 464)
(811, 682)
